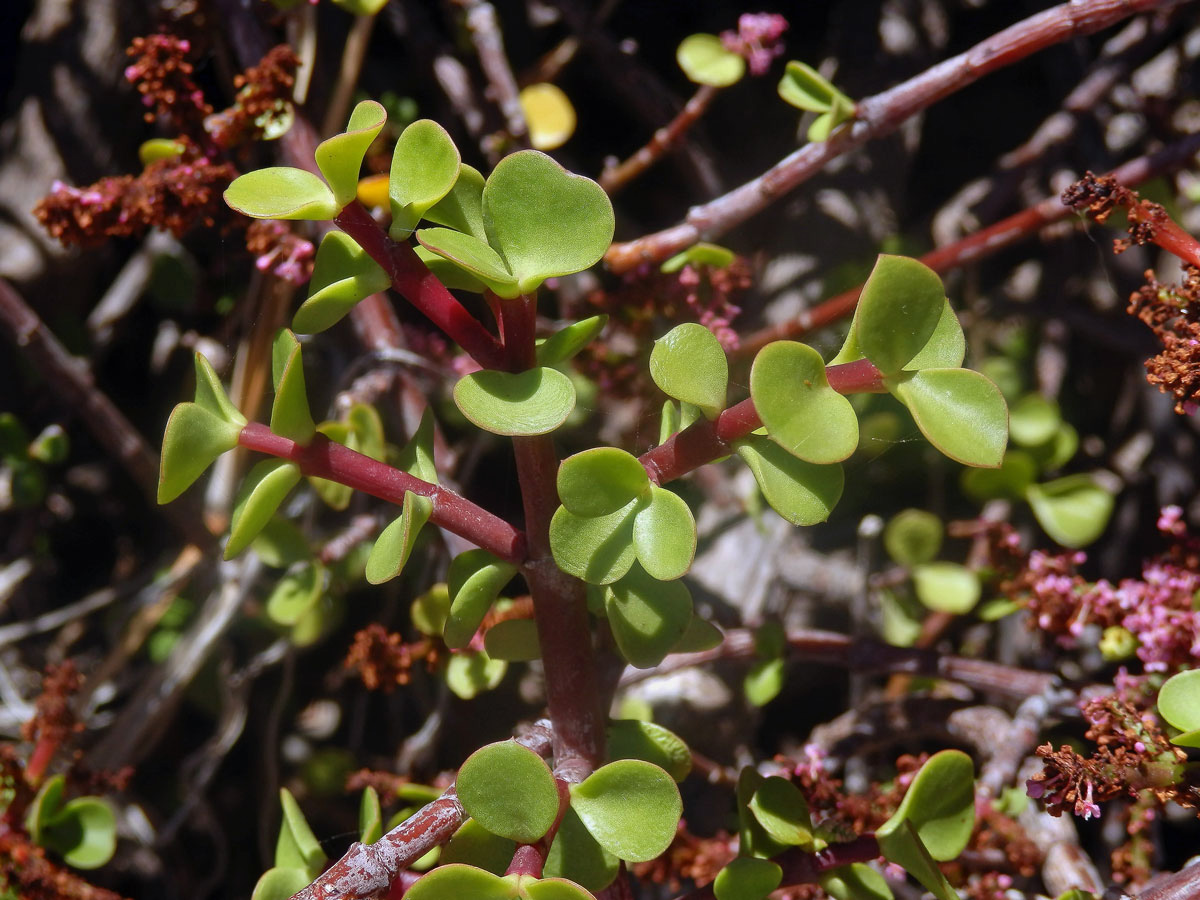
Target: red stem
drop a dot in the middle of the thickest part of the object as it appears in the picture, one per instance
(330, 460)
(875, 117)
(703, 441)
(412, 279)
(663, 140)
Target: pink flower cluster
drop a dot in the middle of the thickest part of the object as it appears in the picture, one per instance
(713, 308)
(757, 39)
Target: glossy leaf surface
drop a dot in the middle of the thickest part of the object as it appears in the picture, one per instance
(536, 401)
(297, 847)
(599, 549)
(281, 192)
(664, 534)
(630, 807)
(290, 416)
(898, 311)
(689, 364)
(416, 458)
(264, 488)
(805, 88)
(475, 580)
(193, 439)
(939, 804)
(340, 157)
(647, 616)
(394, 544)
(472, 255)
(782, 811)
(576, 855)
(747, 878)
(705, 60)
(635, 739)
(343, 274)
(857, 881)
(600, 481)
(959, 411)
(425, 166)
(801, 412)
(462, 208)
(508, 789)
(210, 394)
(1179, 704)
(803, 493)
(568, 341)
(467, 882)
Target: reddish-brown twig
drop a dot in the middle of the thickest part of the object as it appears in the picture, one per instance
(614, 178)
(877, 116)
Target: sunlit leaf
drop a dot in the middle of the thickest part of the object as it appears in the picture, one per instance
(689, 364)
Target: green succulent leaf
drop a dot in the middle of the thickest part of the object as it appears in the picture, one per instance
(825, 124)
(857, 881)
(153, 150)
(1074, 510)
(700, 635)
(297, 847)
(513, 640)
(782, 811)
(705, 60)
(647, 616)
(805, 88)
(448, 272)
(290, 416)
(803, 493)
(211, 396)
(552, 889)
(753, 839)
(264, 488)
(296, 594)
(747, 878)
(470, 674)
(576, 855)
(664, 534)
(764, 681)
(689, 364)
(1179, 704)
(939, 805)
(913, 536)
(946, 587)
(631, 808)
(904, 847)
(635, 739)
(1033, 420)
(280, 884)
(544, 221)
(474, 845)
(340, 157)
(959, 411)
(343, 274)
(566, 342)
(458, 880)
(462, 208)
(395, 543)
(281, 192)
(601, 481)
(417, 456)
(475, 580)
(473, 256)
(509, 790)
(946, 347)
(83, 831)
(193, 439)
(702, 254)
(899, 310)
(430, 611)
(801, 412)
(370, 816)
(536, 401)
(598, 549)
(425, 166)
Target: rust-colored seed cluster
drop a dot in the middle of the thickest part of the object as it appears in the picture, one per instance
(383, 660)
(1173, 313)
(54, 720)
(1099, 195)
(263, 92)
(163, 76)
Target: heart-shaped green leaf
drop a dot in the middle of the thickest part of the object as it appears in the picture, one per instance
(470, 674)
(600, 481)
(210, 395)
(959, 411)
(513, 640)
(297, 847)
(476, 846)
(509, 790)
(475, 580)
(566, 342)
(417, 456)
(343, 274)
(536, 401)
(664, 534)
(576, 855)
(473, 256)
(940, 806)
(946, 587)
(1179, 704)
(295, 594)
(395, 543)
(193, 439)
(340, 157)
(425, 166)
(783, 813)
(747, 878)
(647, 616)
(467, 882)
(631, 808)
(290, 416)
(1073, 510)
(462, 208)
(899, 310)
(370, 816)
(264, 488)
(801, 412)
(600, 549)
(544, 221)
(281, 192)
(753, 839)
(913, 536)
(805, 88)
(857, 881)
(280, 884)
(803, 493)
(83, 831)
(634, 739)
(705, 60)
(689, 364)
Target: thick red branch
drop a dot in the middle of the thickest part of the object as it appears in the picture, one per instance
(330, 460)
(703, 441)
(877, 116)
